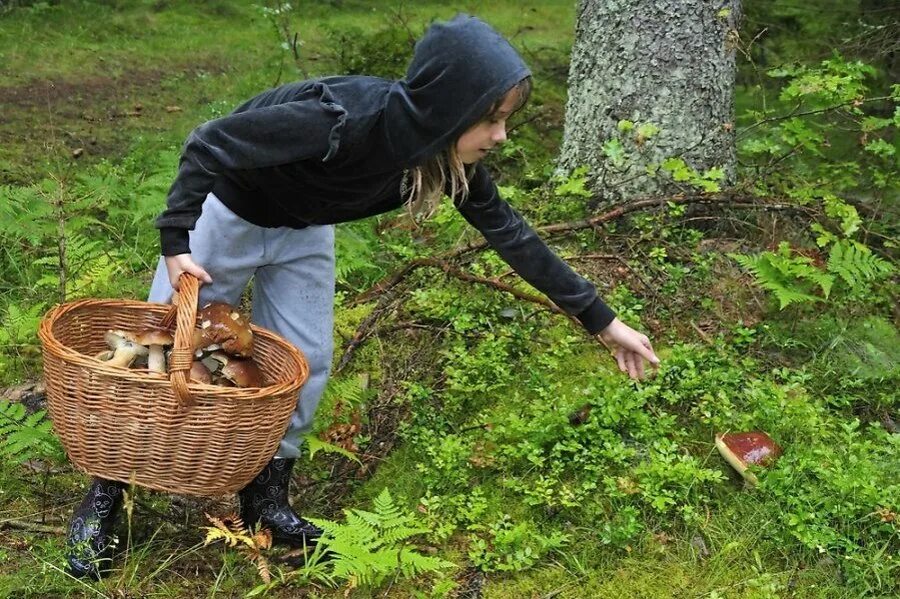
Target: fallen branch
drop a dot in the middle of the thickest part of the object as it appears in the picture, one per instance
(494, 284)
(567, 227)
(441, 261)
(364, 330)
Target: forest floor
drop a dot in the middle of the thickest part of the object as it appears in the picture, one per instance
(461, 400)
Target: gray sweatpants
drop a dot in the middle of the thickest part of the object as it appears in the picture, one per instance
(293, 291)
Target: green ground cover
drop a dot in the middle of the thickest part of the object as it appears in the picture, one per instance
(537, 468)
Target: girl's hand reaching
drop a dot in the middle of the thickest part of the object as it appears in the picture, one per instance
(629, 347)
(184, 263)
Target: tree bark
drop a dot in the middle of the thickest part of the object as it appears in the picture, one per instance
(666, 63)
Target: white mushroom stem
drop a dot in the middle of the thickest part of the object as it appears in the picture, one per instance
(156, 361)
(126, 354)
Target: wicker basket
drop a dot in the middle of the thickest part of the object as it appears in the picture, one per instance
(154, 429)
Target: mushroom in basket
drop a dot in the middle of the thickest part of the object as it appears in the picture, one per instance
(230, 371)
(127, 346)
(123, 349)
(223, 327)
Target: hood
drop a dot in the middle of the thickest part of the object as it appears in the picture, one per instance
(459, 69)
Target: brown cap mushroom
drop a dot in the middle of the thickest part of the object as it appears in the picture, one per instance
(155, 340)
(743, 449)
(240, 372)
(223, 327)
(243, 373)
(200, 373)
(125, 347)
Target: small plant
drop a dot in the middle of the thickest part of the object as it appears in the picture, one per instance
(371, 547)
(365, 551)
(26, 436)
(512, 547)
(795, 278)
(232, 531)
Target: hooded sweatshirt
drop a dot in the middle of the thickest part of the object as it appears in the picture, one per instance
(335, 149)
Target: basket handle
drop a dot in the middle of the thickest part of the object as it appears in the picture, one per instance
(184, 312)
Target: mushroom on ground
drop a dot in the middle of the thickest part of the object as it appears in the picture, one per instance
(155, 340)
(125, 347)
(223, 327)
(750, 448)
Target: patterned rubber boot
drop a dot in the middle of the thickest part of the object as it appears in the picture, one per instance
(91, 541)
(264, 502)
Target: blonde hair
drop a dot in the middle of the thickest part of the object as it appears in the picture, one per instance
(423, 186)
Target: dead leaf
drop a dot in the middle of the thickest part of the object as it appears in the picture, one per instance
(886, 515)
(581, 415)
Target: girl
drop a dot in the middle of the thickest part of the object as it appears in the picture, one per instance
(258, 192)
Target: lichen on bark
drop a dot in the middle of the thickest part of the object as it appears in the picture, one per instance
(669, 63)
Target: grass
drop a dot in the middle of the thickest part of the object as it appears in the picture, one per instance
(74, 76)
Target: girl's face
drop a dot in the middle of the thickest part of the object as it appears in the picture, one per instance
(480, 138)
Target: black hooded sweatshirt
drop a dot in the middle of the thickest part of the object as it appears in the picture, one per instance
(335, 149)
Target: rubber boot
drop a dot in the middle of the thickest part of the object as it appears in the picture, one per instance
(91, 541)
(264, 503)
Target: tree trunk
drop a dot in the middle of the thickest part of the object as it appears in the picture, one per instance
(638, 65)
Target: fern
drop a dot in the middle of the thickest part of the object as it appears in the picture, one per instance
(371, 547)
(91, 267)
(232, 531)
(26, 436)
(795, 279)
(790, 279)
(856, 265)
(351, 390)
(355, 265)
(315, 445)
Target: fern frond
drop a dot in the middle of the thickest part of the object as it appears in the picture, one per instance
(385, 508)
(263, 538)
(370, 546)
(26, 436)
(414, 564)
(315, 445)
(262, 567)
(855, 264)
(214, 534)
(787, 280)
(224, 530)
(394, 535)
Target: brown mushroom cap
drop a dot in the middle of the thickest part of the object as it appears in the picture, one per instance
(200, 373)
(153, 337)
(243, 373)
(743, 449)
(222, 326)
(155, 340)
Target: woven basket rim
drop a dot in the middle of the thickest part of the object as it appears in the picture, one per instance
(154, 379)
